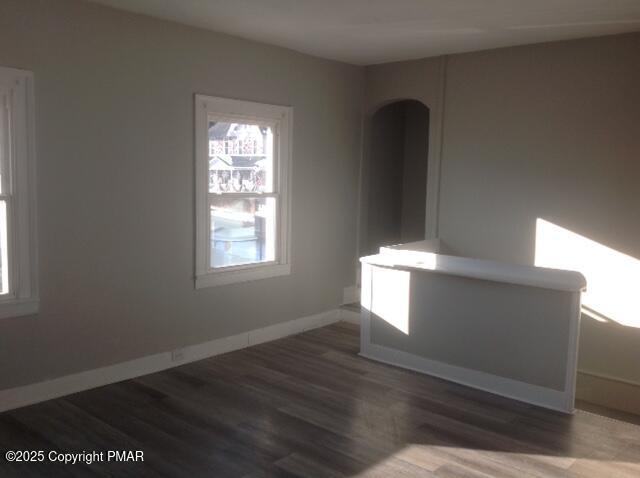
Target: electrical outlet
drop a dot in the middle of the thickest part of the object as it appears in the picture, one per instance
(177, 355)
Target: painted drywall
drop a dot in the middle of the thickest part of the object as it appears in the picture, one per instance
(397, 174)
(547, 131)
(553, 132)
(386, 170)
(114, 112)
(414, 171)
(385, 84)
(373, 31)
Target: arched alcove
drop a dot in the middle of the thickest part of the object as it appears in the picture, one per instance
(396, 174)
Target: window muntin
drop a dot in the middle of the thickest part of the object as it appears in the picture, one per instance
(242, 151)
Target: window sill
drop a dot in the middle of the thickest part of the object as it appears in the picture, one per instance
(18, 308)
(214, 279)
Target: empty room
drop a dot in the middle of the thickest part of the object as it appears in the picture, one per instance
(304, 238)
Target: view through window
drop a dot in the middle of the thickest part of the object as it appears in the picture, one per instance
(5, 187)
(243, 151)
(241, 187)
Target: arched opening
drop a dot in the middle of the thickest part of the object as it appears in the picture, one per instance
(397, 154)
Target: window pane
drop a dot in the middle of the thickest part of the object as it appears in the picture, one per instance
(4, 263)
(242, 231)
(240, 157)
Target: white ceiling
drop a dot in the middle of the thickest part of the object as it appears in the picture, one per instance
(377, 31)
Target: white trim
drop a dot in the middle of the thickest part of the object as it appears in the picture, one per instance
(77, 382)
(572, 350)
(434, 159)
(525, 392)
(608, 391)
(611, 378)
(18, 308)
(350, 295)
(360, 200)
(427, 245)
(284, 329)
(22, 298)
(242, 275)
(350, 316)
(281, 118)
(533, 276)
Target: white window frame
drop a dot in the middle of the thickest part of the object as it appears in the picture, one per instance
(17, 104)
(280, 118)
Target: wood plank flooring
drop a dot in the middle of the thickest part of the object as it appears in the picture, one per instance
(308, 406)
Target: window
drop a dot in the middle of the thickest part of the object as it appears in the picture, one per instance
(242, 176)
(18, 288)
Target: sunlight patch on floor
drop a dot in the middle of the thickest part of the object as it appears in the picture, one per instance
(390, 297)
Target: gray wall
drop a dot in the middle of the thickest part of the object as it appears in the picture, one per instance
(419, 80)
(537, 131)
(550, 131)
(385, 177)
(114, 112)
(547, 131)
(414, 172)
(397, 174)
(475, 324)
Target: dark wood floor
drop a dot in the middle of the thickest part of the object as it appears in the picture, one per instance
(309, 406)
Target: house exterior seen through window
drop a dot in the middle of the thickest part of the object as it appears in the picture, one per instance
(243, 230)
(242, 167)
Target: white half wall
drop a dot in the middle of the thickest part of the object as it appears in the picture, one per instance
(503, 333)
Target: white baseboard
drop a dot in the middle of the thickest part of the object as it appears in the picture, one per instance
(536, 395)
(350, 316)
(608, 391)
(77, 382)
(350, 295)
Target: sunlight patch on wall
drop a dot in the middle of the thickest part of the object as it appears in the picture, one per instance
(391, 303)
(613, 278)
